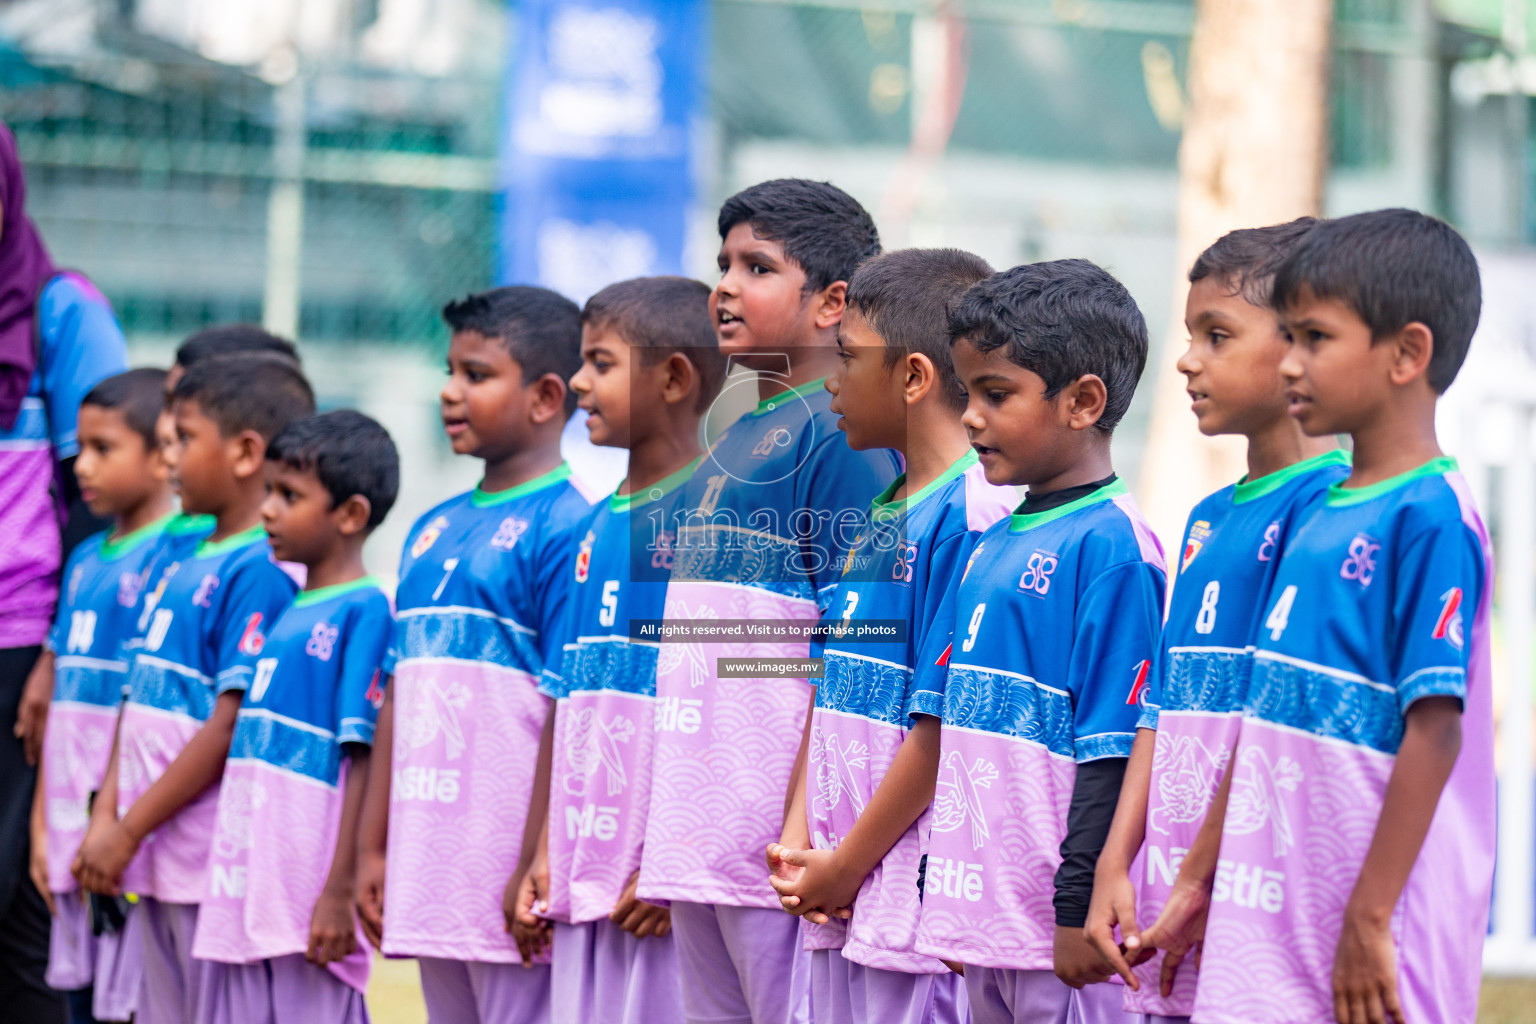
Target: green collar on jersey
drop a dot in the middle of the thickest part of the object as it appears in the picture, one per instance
(115, 548)
(483, 498)
(1021, 521)
(1339, 495)
(308, 597)
(772, 402)
(625, 502)
(184, 523)
(235, 541)
(885, 505)
(1247, 490)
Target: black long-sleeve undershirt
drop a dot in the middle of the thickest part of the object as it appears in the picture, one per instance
(1094, 796)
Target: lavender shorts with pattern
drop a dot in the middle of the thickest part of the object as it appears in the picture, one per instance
(276, 991)
(471, 992)
(173, 981)
(600, 972)
(1157, 1018)
(843, 992)
(113, 963)
(741, 965)
(1001, 996)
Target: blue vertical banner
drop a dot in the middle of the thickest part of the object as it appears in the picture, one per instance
(597, 148)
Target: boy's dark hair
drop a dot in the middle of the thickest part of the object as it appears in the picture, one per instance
(348, 452)
(905, 297)
(1393, 268)
(821, 227)
(1244, 261)
(1060, 320)
(659, 316)
(259, 391)
(539, 328)
(229, 339)
(138, 394)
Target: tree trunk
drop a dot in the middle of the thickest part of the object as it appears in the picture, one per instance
(1254, 152)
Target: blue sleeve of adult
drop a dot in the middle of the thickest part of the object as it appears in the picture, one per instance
(82, 345)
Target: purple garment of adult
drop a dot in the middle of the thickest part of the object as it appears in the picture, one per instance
(24, 267)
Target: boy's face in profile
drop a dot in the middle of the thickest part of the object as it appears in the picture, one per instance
(116, 469)
(603, 384)
(866, 392)
(297, 513)
(1014, 428)
(1335, 376)
(203, 470)
(1232, 364)
(760, 304)
(484, 405)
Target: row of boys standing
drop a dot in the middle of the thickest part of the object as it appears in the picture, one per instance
(635, 817)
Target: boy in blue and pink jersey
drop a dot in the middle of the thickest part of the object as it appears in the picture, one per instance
(650, 368)
(1359, 828)
(1232, 545)
(282, 864)
(1056, 624)
(857, 824)
(482, 591)
(763, 526)
(122, 476)
(189, 669)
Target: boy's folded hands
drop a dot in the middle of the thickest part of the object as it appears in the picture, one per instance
(809, 881)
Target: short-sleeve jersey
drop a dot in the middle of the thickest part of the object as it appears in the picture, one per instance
(315, 685)
(483, 586)
(104, 581)
(1056, 626)
(765, 522)
(1194, 696)
(896, 578)
(600, 785)
(209, 613)
(81, 345)
(1380, 600)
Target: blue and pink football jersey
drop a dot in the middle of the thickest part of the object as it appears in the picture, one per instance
(766, 520)
(605, 724)
(210, 611)
(483, 587)
(1380, 600)
(104, 582)
(900, 571)
(1056, 624)
(1194, 696)
(315, 685)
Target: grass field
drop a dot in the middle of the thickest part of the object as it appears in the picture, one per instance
(394, 997)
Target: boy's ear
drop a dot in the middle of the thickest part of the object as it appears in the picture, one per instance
(1412, 349)
(830, 303)
(351, 516)
(548, 398)
(1082, 402)
(248, 455)
(679, 378)
(922, 377)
